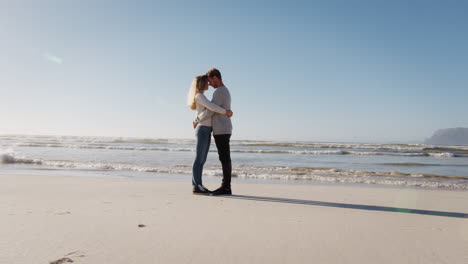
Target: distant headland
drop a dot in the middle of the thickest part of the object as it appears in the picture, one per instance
(449, 136)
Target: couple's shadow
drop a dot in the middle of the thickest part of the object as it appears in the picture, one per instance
(348, 206)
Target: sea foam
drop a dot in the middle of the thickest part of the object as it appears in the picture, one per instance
(267, 172)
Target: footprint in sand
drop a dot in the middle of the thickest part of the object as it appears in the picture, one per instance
(62, 260)
(67, 259)
(63, 213)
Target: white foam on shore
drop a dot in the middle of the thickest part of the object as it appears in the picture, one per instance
(267, 173)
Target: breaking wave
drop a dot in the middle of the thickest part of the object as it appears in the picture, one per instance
(260, 151)
(267, 173)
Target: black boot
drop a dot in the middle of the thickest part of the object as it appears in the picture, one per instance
(200, 189)
(223, 190)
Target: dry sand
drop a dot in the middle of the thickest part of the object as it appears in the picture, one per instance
(116, 220)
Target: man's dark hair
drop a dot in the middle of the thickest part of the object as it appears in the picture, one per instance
(214, 72)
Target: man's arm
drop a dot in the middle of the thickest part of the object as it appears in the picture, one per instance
(217, 99)
(208, 114)
(204, 116)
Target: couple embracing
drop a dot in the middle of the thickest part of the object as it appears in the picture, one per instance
(211, 116)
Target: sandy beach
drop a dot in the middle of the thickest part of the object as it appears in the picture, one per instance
(126, 220)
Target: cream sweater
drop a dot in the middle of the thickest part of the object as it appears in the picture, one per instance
(202, 104)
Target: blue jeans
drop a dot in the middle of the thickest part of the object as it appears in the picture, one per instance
(203, 134)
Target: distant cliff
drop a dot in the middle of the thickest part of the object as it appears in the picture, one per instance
(449, 136)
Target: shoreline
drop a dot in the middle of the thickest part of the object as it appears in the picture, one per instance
(186, 178)
(136, 220)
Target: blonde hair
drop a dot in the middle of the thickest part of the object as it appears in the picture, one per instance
(198, 86)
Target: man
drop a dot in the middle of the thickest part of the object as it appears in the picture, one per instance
(222, 128)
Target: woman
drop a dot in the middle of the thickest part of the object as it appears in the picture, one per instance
(198, 101)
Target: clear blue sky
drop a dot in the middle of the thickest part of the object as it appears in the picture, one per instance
(297, 70)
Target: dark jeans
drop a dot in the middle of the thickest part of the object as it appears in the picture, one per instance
(224, 153)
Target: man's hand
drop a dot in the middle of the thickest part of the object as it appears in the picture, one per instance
(229, 113)
(194, 125)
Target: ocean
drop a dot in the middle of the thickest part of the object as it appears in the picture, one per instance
(413, 165)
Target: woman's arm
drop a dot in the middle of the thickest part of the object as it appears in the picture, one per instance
(202, 100)
(203, 116)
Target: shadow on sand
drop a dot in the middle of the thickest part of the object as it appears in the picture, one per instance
(349, 206)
